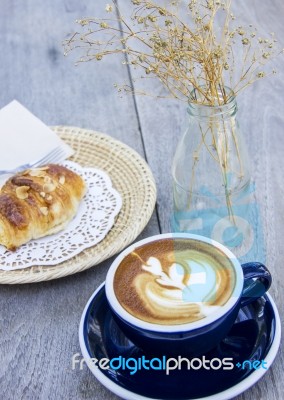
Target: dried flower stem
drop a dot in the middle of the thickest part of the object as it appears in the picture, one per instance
(192, 49)
(185, 51)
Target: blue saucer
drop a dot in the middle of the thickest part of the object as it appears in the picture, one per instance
(254, 336)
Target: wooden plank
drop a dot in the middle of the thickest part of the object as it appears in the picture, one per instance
(262, 121)
(39, 323)
(261, 118)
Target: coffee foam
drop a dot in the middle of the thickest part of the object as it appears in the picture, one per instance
(174, 281)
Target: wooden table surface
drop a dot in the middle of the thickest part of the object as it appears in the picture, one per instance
(39, 322)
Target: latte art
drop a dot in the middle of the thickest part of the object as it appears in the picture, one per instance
(174, 281)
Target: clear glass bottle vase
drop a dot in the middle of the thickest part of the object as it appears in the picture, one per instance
(211, 178)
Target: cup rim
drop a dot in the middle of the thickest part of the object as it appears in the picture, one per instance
(185, 327)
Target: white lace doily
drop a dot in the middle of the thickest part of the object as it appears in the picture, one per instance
(94, 219)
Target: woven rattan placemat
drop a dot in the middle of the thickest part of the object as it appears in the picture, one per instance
(130, 176)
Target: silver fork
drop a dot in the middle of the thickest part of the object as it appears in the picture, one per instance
(53, 156)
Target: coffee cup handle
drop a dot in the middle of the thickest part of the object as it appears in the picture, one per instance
(257, 280)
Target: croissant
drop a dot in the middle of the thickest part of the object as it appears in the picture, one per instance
(38, 202)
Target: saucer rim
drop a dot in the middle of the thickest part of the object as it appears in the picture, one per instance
(227, 394)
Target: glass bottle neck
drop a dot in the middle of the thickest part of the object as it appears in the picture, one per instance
(224, 111)
(204, 105)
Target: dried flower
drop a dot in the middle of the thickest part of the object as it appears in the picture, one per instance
(108, 8)
(104, 25)
(241, 32)
(82, 22)
(181, 54)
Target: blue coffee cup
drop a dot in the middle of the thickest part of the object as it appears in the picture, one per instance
(252, 280)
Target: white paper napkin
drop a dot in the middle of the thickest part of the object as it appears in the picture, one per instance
(24, 138)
